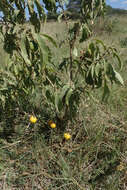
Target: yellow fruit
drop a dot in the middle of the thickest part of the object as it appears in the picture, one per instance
(33, 119)
(53, 125)
(67, 136)
(49, 122)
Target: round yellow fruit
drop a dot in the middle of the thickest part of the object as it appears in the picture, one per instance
(53, 125)
(67, 136)
(33, 119)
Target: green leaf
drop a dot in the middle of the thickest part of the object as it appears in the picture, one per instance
(68, 95)
(92, 70)
(119, 78)
(105, 65)
(97, 69)
(75, 52)
(60, 17)
(119, 60)
(92, 48)
(44, 49)
(58, 102)
(59, 97)
(49, 96)
(23, 51)
(50, 39)
(64, 64)
(101, 42)
(64, 91)
(85, 34)
(40, 9)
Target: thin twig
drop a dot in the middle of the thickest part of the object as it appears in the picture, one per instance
(76, 183)
(12, 144)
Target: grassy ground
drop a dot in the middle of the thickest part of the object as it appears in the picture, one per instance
(96, 156)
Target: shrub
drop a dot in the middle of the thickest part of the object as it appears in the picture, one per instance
(31, 66)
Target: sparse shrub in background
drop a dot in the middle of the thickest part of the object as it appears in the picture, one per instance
(123, 42)
(109, 26)
(106, 24)
(115, 11)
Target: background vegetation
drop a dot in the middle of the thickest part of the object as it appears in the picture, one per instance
(35, 156)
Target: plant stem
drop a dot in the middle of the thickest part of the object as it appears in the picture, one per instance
(71, 64)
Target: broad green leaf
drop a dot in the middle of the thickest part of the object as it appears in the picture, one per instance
(101, 42)
(75, 52)
(105, 66)
(119, 60)
(92, 47)
(58, 102)
(60, 17)
(92, 70)
(68, 95)
(59, 97)
(108, 81)
(44, 49)
(49, 96)
(97, 69)
(50, 39)
(64, 64)
(24, 52)
(85, 33)
(16, 12)
(119, 78)
(40, 9)
(64, 91)
(89, 50)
